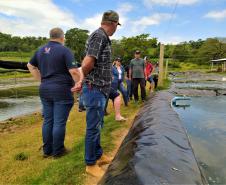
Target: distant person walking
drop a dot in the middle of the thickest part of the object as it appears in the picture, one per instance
(155, 73)
(97, 67)
(137, 74)
(54, 65)
(149, 68)
(118, 73)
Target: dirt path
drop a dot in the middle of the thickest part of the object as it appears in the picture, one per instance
(119, 136)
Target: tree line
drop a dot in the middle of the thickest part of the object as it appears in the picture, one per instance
(200, 51)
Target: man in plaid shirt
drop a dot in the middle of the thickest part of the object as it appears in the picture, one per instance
(96, 67)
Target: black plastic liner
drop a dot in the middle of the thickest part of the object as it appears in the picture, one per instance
(156, 149)
(13, 65)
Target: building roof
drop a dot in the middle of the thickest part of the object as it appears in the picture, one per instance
(219, 60)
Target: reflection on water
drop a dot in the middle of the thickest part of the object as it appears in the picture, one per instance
(205, 121)
(11, 107)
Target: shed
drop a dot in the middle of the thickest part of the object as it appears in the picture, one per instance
(218, 64)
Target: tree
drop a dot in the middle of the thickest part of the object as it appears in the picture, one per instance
(212, 49)
(180, 52)
(126, 47)
(75, 40)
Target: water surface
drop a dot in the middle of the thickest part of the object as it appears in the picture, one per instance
(205, 121)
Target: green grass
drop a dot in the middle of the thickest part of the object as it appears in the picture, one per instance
(69, 169)
(20, 92)
(16, 59)
(16, 56)
(27, 120)
(13, 74)
(187, 66)
(166, 85)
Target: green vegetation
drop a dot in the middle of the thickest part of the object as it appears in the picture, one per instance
(15, 56)
(21, 156)
(26, 120)
(198, 52)
(20, 92)
(25, 140)
(76, 39)
(20, 44)
(6, 74)
(166, 85)
(175, 65)
(125, 47)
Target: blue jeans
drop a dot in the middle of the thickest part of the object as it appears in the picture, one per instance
(55, 115)
(94, 102)
(150, 79)
(80, 104)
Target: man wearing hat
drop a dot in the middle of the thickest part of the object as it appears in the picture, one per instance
(96, 67)
(137, 74)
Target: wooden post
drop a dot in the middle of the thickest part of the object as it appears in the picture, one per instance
(166, 69)
(161, 57)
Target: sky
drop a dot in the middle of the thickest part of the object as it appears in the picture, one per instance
(170, 21)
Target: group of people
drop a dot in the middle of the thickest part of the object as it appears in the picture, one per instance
(136, 73)
(96, 80)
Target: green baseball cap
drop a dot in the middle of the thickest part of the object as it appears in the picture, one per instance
(110, 16)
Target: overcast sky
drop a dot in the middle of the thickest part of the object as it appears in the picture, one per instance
(171, 21)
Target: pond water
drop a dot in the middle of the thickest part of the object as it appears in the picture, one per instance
(12, 107)
(18, 101)
(202, 85)
(205, 121)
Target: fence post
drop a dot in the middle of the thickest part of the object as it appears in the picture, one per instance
(161, 57)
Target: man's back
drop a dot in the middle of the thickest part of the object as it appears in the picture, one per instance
(53, 61)
(98, 46)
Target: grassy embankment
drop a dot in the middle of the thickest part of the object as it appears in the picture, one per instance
(23, 140)
(22, 162)
(16, 57)
(176, 66)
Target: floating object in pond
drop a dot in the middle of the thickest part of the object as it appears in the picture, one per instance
(175, 169)
(181, 101)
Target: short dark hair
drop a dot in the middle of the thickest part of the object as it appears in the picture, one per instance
(118, 59)
(137, 52)
(56, 33)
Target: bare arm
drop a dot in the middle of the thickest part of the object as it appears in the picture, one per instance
(77, 76)
(88, 64)
(75, 73)
(34, 71)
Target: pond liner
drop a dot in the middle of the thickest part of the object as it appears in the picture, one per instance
(13, 65)
(156, 150)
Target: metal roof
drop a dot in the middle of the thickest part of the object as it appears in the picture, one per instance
(219, 60)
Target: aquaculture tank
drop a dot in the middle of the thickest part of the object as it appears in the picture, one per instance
(205, 122)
